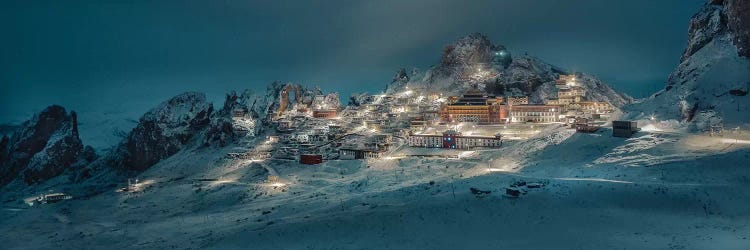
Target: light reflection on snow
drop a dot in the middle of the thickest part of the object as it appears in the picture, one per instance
(650, 128)
(734, 141)
(593, 179)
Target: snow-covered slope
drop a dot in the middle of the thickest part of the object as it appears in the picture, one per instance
(710, 85)
(661, 189)
(587, 199)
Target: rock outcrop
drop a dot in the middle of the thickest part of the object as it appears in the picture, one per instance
(163, 131)
(399, 80)
(44, 147)
(704, 27)
(706, 87)
(716, 19)
(738, 19)
(471, 60)
(4, 149)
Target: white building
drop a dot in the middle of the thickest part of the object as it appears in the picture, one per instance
(535, 113)
(454, 140)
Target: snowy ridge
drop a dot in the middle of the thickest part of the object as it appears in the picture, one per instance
(474, 61)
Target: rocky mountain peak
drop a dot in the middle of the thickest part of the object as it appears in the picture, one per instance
(709, 86)
(469, 61)
(474, 61)
(472, 49)
(163, 131)
(44, 147)
(718, 18)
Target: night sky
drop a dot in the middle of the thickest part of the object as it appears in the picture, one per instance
(131, 55)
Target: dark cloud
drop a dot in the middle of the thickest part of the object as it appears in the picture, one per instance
(137, 53)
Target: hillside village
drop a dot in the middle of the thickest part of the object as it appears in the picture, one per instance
(483, 150)
(319, 128)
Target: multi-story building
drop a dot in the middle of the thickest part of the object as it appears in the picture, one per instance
(584, 125)
(574, 91)
(285, 125)
(592, 107)
(454, 140)
(563, 101)
(353, 154)
(382, 139)
(566, 80)
(431, 115)
(324, 113)
(535, 113)
(571, 96)
(417, 124)
(517, 100)
(474, 106)
(426, 141)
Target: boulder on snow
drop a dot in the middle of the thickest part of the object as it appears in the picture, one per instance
(518, 184)
(738, 92)
(512, 192)
(535, 185)
(479, 192)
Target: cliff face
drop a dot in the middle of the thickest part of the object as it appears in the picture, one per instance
(45, 147)
(704, 26)
(716, 19)
(163, 131)
(738, 21)
(710, 85)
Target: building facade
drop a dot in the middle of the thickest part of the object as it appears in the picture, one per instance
(355, 154)
(535, 113)
(517, 100)
(325, 113)
(475, 107)
(592, 107)
(454, 140)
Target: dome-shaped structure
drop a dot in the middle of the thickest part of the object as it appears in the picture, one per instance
(501, 57)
